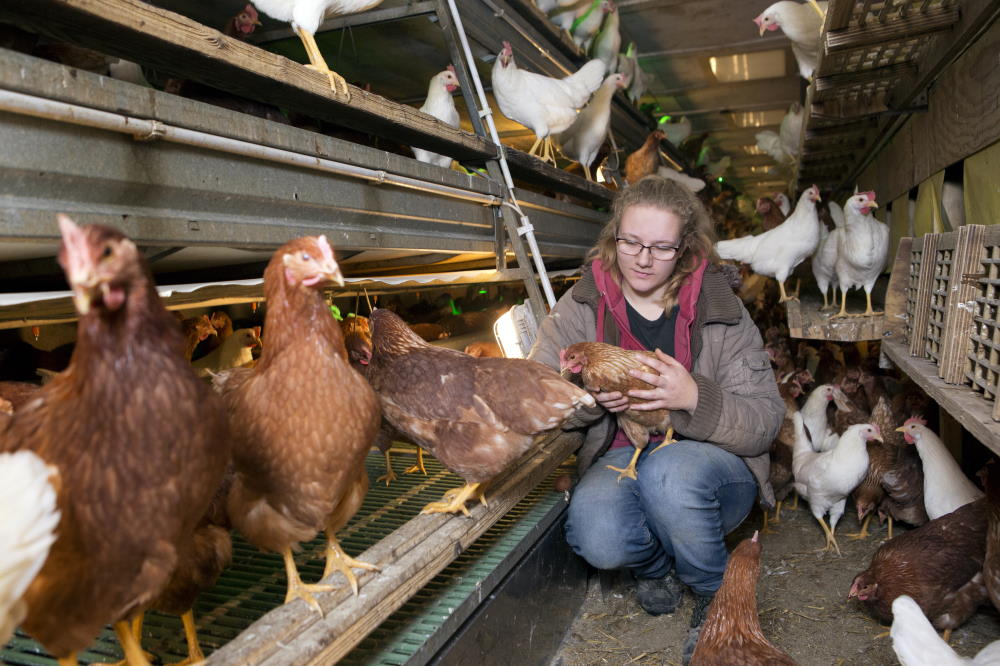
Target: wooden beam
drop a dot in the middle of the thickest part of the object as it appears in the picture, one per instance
(838, 14)
(834, 82)
(935, 19)
(844, 109)
(372, 17)
(181, 47)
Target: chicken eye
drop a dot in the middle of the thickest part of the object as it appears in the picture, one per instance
(106, 252)
(306, 257)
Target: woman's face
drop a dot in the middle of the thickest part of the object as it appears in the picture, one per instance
(648, 225)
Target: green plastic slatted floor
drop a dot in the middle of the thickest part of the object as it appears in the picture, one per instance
(255, 582)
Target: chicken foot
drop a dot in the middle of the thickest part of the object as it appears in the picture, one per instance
(136, 628)
(195, 655)
(765, 528)
(318, 63)
(669, 439)
(299, 590)
(784, 296)
(830, 539)
(628, 470)
(419, 467)
(863, 533)
(134, 655)
(534, 146)
(68, 661)
(338, 560)
(389, 475)
(454, 500)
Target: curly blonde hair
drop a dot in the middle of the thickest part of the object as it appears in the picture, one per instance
(697, 234)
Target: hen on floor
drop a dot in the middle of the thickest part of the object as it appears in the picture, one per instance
(916, 642)
(780, 474)
(814, 417)
(770, 214)
(731, 633)
(826, 479)
(938, 564)
(462, 409)
(777, 252)
(605, 368)
(991, 566)
(139, 442)
(303, 421)
(946, 487)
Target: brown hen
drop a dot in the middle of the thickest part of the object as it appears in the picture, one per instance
(770, 213)
(991, 567)
(302, 419)
(938, 564)
(780, 475)
(731, 635)
(476, 415)
(195, 329)
(139, 442)
(605, 368)
(644, 161)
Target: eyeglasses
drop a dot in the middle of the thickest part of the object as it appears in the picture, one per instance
(659, 252)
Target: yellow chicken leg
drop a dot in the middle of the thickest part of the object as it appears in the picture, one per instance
(830, 539)
(318, 63)
(668, 439)
(135, 626)
(133, 651)
(299, 590)
(863, 533)
(843, 307)
(454, 500)
(819, 10)
(68, 661)
(195, 655)
(419, 467)
(868, 311)
(338, 560)
(628, 470)
(389, 475)
(784, 296)
(766, 527)
(534, 146)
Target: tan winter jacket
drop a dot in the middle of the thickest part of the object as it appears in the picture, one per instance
(739, 408)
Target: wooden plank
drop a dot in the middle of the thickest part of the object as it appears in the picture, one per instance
(895, 295)
(838, 14)
(958, 325)
(530, 168)
(806, 321)
(921, 315)
(935, 19)
(971, 411)
(181, 47)
(409, 557)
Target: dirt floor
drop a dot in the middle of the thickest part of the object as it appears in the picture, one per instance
(802, 602)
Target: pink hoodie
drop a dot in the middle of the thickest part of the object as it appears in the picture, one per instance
(614, 299)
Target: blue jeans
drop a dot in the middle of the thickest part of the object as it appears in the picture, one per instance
(688, 496)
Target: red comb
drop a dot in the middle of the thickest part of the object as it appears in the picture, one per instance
(915, 419)
(870, 194)
(451, 68)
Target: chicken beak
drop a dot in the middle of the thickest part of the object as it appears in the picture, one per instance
(901, 429)
(877, 438)
(83, 296)
(257, 22)
(872, 204)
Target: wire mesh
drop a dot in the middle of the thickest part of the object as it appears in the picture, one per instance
(254, 583)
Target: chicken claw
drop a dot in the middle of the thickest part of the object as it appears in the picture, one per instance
(130, 644)
(831, 541)
(419, 467)
(135, 626)
(863, 533)
(454, 500)
(338, 560)
(299, 590)
(318, 64)
(389, 475)
(628, 470)
(195, 655)
(669, 439)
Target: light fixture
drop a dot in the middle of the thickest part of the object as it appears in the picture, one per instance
(516, 330)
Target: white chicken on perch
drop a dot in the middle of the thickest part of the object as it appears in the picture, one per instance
(543, 104)
(441, 105)
(862, 248)
(582, 140)
(776, 252)
(305, 17)
(27, 530)
(802, 23)
(824, 261)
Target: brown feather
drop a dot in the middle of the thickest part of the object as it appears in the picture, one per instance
(475, 415)
(140, 444)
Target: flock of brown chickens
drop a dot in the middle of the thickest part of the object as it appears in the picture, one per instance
(143, 453)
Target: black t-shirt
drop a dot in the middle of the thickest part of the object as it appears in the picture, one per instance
(656, 334)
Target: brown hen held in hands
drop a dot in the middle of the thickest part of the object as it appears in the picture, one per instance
(731, 635)
(476, 415)
(139, 442)
(605, 367)
(302, 420)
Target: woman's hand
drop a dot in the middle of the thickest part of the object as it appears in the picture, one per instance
(673, 388)
(613, 401)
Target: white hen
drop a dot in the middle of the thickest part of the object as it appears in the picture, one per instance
(588, 21)
(441, 105)
(802, 23)
(770, 142)
(946, 487)
(541, 103)
(609, 41)
(814, 416)
(581, 140)
(824, 261)
(778, 251)
(692, 183)
(305, 17)
(234, 352)
(916, 641)
(676, 132)
(783, 202)
(862, 248)
(27, 530)
(790, 130)
(826, 479)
